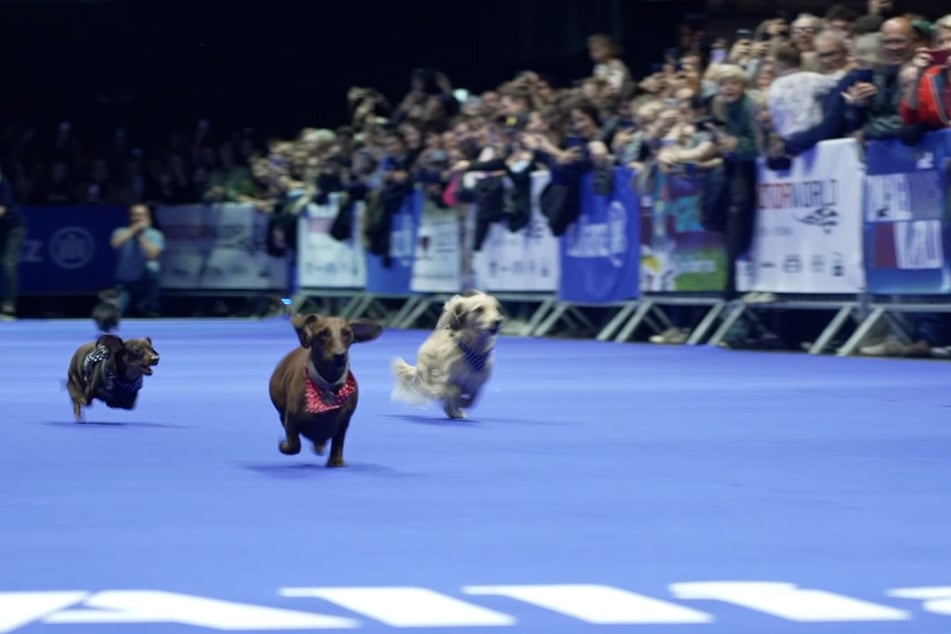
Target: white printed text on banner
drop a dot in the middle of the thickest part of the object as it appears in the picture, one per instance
(437, 261)
(218, 247)
(322, 260)
(809, 224)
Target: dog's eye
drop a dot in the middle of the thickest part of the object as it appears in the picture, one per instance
(478, 310)
(347, 334)
(323, 334)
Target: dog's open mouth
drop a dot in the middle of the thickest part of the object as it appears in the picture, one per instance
(147, 371)
(494, 330)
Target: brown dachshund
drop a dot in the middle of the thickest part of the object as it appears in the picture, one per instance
(109, 370)
(313, 388)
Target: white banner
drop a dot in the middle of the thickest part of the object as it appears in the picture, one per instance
(809, 224)
(527, 260)
(437, 265)
(218, 247)
(323, 261)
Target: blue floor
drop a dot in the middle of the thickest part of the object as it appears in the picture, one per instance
(593, 483)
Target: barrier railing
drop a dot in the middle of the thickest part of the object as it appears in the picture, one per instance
(862, 237)
(594, 264)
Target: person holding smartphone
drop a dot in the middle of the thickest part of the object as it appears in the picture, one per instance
(927, 101)
(872, 95)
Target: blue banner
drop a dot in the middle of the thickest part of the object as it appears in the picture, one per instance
(907, 216)
(395, 279)
(600, 252)
(67, 249)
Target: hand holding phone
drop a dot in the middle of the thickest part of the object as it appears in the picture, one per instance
(939, 57)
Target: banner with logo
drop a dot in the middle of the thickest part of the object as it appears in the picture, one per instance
(676, 253)
(437, 260)
(599, 252)
(809, 224)
(908, 216)
(322, 260)
(217, 247)
(527, 260)
(67, 251)
(393, 277)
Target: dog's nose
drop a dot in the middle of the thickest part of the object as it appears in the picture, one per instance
(497, 324)
(340, 358)
(155, 360)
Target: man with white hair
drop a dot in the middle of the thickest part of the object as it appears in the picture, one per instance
(832, 54)
(804, 30)
(837, 120)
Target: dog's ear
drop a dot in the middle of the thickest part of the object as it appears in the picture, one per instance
(457, 316)
(304, 325)
(447, 318)
(149, 340)
(365, 330)
(112, 343)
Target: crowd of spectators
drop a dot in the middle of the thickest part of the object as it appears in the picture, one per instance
(711, 104)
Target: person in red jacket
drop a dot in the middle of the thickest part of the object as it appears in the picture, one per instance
(927, 102)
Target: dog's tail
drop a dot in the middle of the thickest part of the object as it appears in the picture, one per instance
(410, 388)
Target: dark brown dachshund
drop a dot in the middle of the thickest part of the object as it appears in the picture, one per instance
(109, 370)
(313, 388)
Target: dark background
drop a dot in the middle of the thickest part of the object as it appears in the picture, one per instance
(281, 65)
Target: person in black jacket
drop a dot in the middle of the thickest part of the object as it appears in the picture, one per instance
(12, 235)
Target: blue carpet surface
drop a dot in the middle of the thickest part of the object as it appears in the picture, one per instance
(595, 487)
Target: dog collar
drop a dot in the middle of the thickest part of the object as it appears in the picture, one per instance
(113, 383)
(320, 399)
(476, 359)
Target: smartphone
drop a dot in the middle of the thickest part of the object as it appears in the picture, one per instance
(865, 74)
(717, 56)
(940, 57)
(744, 34)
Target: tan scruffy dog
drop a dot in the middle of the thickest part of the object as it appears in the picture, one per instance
(455, 361)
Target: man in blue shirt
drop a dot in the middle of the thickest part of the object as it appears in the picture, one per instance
(138, 269)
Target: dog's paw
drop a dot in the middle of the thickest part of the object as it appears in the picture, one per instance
(336, 463)
(319, 448)
(289, 449)
(457, 414)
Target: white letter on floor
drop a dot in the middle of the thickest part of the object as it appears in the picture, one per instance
(19, 608)
(937, 598)
(406, 606)
(603, 605)
(147, 606)
(787, 601)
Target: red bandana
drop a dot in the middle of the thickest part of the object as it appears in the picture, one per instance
(320, 402)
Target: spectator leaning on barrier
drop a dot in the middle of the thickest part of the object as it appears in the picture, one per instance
(794, 95)
(138, 270)
(12, 235)
(735, 138)
(872, 102)
(867, 56)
